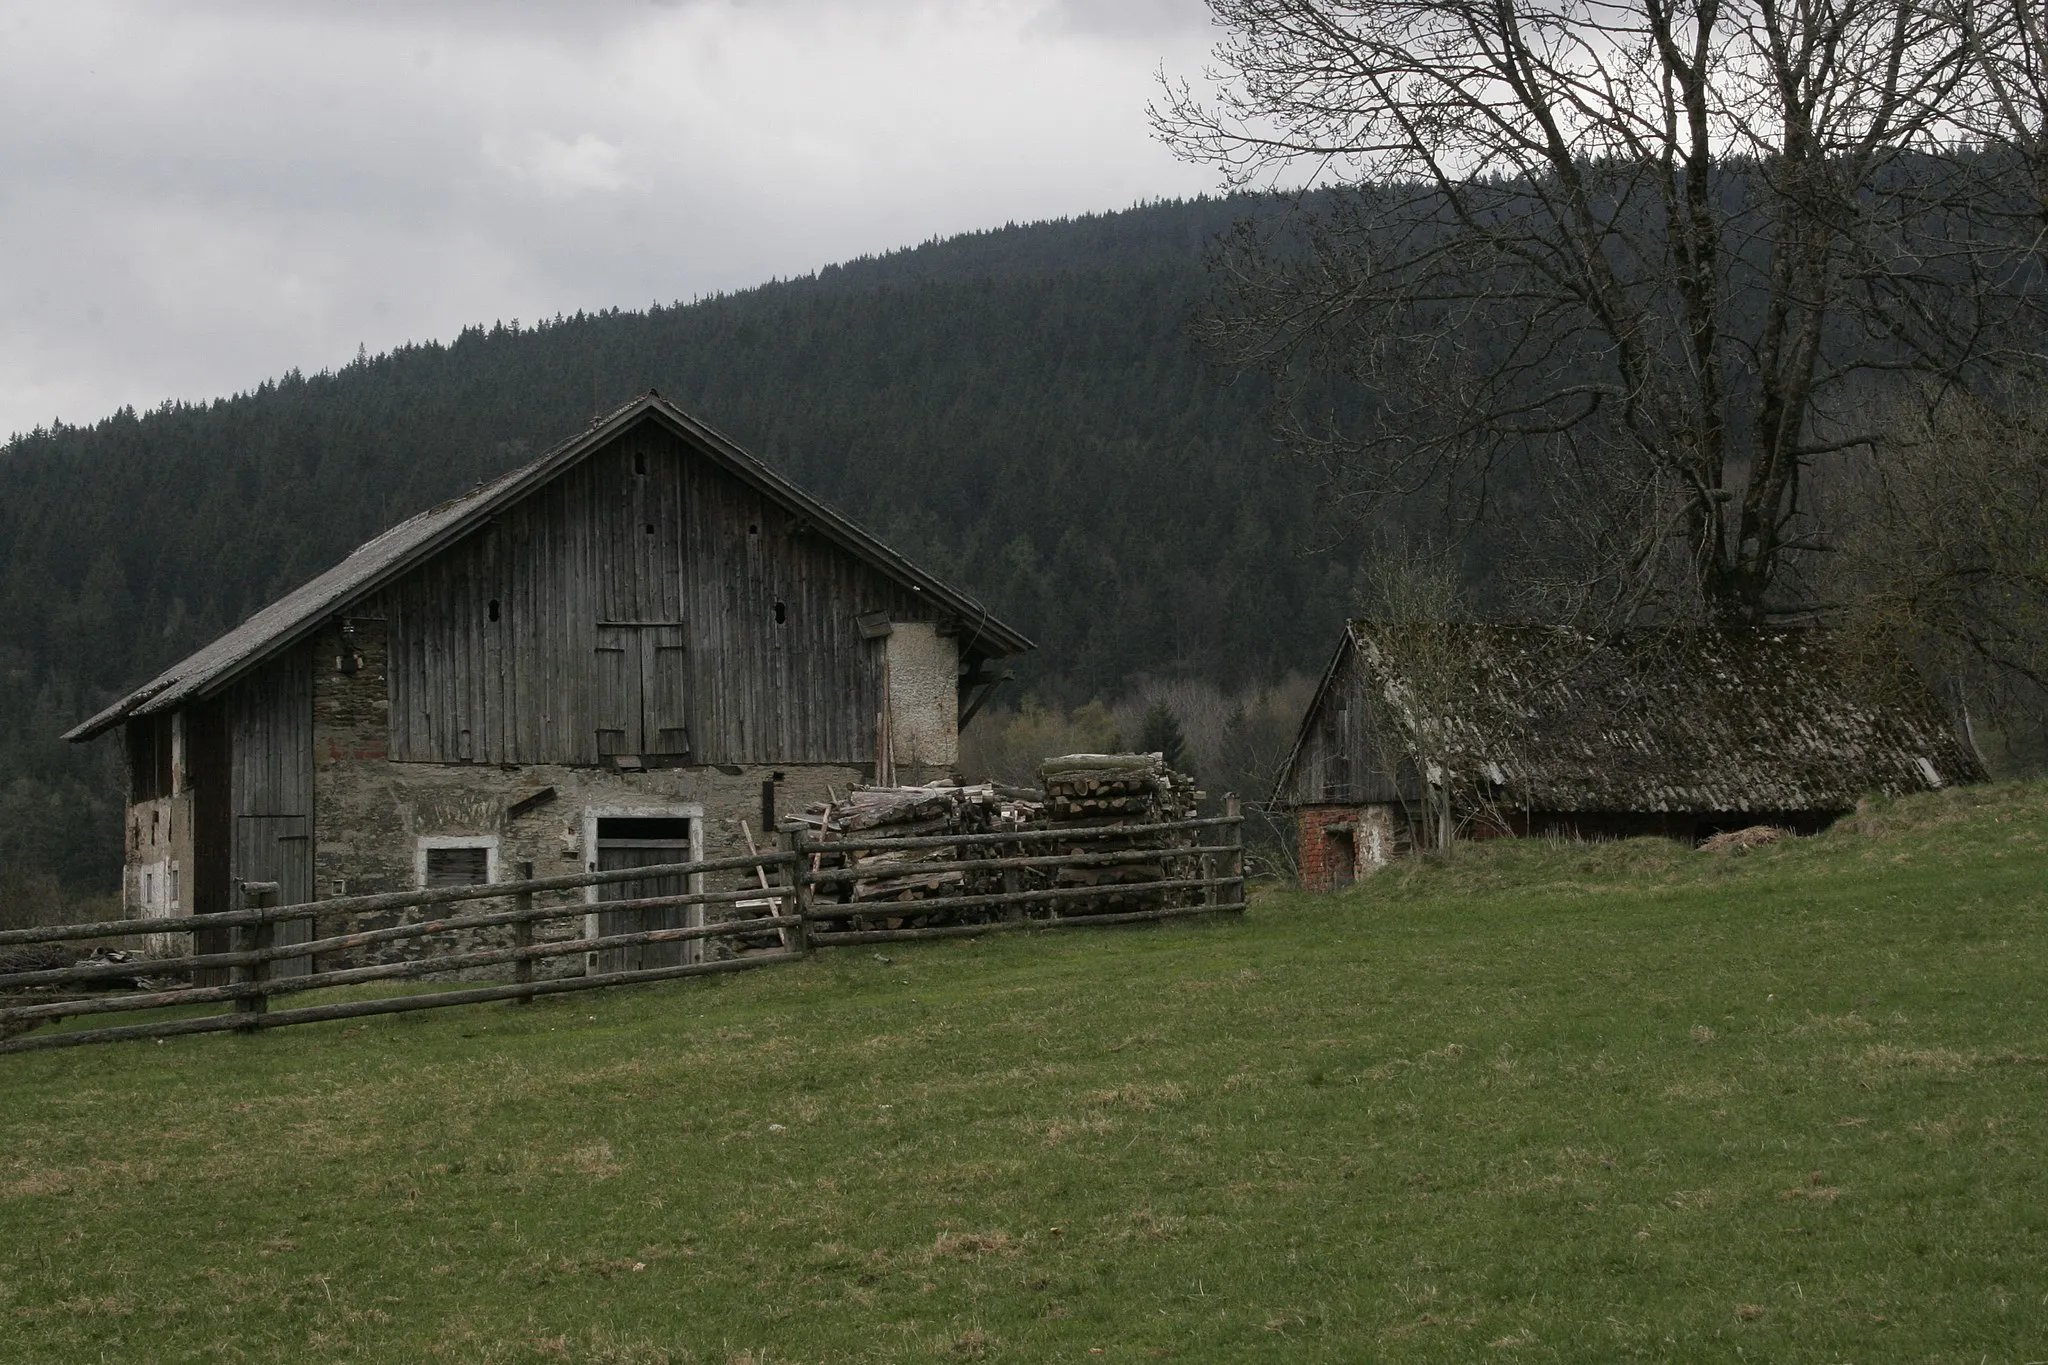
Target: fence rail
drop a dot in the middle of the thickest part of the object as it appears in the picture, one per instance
(791, 882)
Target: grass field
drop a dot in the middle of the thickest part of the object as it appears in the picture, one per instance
(1534, 1103)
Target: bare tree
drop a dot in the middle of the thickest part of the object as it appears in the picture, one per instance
(1946, 561)
(2006, 47)
(1412, 594)
(1641, 262)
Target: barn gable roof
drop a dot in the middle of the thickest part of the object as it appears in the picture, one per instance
(389, 554)
(1724, 720)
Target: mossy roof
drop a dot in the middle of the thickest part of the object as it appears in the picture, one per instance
(1707, 720)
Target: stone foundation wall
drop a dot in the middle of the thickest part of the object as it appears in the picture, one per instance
(156, 879)
(370, 814)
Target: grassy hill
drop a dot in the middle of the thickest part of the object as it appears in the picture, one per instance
(1533, 1103)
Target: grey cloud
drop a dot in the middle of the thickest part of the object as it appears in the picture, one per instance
(191, 201)
(1132, 18)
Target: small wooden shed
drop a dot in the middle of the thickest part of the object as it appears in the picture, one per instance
(1421, 733)
(610, 657)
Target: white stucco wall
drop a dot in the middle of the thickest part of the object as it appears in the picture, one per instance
(924, 672)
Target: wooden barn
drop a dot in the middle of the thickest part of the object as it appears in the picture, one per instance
(1420, 734)
(611, 657)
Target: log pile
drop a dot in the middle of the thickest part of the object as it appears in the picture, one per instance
(899, 889)
(904, 812)
(1106, 789)
(1093, 790)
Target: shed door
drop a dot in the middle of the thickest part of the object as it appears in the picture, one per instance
(279, 848)
(644, 842)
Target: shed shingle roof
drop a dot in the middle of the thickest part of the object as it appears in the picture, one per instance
(1728, 720)
(389, 554)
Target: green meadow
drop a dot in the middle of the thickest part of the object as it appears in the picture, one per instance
(1532, 1102)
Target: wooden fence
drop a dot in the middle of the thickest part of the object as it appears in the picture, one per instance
(797, 904)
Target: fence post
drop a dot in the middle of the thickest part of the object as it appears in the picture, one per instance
(254, 938)
(1013, 883)
(522, 933)
(1233, 809)
(799, 941)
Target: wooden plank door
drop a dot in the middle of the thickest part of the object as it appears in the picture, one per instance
(618, 691)
(270, 761)
(279, 848)
(664, 691)
(644, 842)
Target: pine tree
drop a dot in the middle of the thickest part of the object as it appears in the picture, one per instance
(1162, 735)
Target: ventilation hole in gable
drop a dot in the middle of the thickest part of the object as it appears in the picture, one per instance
(650, 528)
(639, 462)
(781, 613)
(754, 528)
(493, 609)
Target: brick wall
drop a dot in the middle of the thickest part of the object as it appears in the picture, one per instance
(1328, 856)
(1339, 844)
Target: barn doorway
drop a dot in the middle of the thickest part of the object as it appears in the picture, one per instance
(627, 839)
(1340, 854)
(279, 848)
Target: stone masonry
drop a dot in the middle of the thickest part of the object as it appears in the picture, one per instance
(370, 813)
(157, 864)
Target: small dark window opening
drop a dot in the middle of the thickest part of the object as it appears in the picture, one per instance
(149, 757)
(781, 613)
(754, 528)
(639, 462)
(650, 528)
(493, 609)
(458, 866)
(638, 827)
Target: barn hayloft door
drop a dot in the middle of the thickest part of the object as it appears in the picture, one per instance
(643, 841)
(642, 706)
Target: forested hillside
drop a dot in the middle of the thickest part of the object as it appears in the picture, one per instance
(1021, 410)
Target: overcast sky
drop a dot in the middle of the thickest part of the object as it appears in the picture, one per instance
(194, 197)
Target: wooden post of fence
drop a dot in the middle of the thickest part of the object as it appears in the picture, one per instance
(1233, 809)
(1013, 882)
(254, 938)
(522, 934)
(799, 941)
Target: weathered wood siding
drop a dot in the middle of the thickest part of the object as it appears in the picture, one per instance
(270, 739)
(1344, 757)
(270, 783)
(736, 617)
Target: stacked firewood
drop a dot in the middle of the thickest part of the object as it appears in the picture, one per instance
(898, 877)
(900, 888)
(1100, 789)
(1093, 790)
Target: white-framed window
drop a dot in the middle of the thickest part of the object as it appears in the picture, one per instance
(455, 860)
